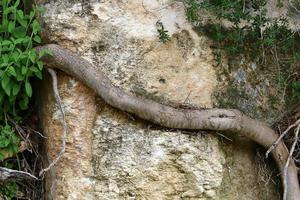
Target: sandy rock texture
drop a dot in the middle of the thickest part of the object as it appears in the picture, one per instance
(73, 175)
(112, 155)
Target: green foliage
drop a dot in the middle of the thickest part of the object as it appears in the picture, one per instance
(162, 32)
(19, 63)
(246, 31)
(9, 190)
(192, 11)
(9, 142)
(251, 33)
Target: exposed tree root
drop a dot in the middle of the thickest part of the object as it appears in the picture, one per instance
(64, 123)
(229, 120)
(296, 127)
(296, 124)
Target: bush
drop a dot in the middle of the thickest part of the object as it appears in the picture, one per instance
(252, 34)
(19, 63)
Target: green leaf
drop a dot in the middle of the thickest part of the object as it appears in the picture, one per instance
(11, 26)
(19, 32)
(28, 88)
(16, 89)
(12, 71)
(24, 69)
(9, 10)
(36, 27)
(17, 3)
(31, 15)
(6, 43)
(18, 40)
(15, 56)
(34, 69)
(6, 84)
(4, 142)
(5, 81)
(40, 65)
(39, 74)
(20, 77)
(5, 59)
(37, 39)
(21, 19)
(32, 56)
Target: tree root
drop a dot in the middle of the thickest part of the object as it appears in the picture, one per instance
(229, 120)
(63, 122)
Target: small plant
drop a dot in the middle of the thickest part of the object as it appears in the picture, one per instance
(251, 34)
(19, 63)
(192, 11)
(162, 32)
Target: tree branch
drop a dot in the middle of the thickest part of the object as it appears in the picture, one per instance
(15, 175)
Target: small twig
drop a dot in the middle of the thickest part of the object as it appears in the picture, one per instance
(11, 174)
(59, 102)
(297, 123)
(21, 132)
(37, 132)
(223, 136)
(285, 171)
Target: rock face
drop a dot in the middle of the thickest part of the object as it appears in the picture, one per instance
(112, 155)
(73, 175)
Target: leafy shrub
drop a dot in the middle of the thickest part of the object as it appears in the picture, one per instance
(252, 33)
(19, 63)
